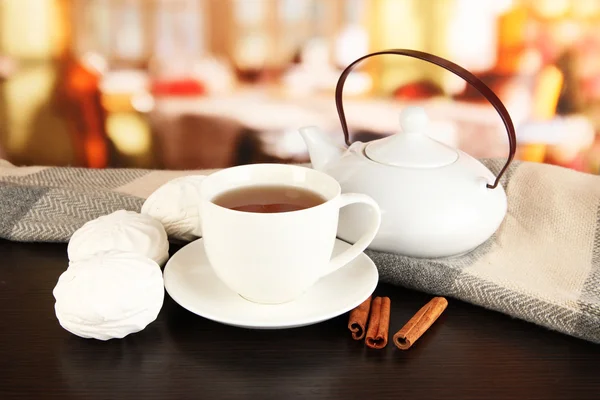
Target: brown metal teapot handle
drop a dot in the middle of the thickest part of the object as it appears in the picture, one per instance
(450, 66)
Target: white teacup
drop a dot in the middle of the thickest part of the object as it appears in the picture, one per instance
(274, 258)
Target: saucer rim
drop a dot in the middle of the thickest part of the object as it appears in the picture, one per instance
(306, 321)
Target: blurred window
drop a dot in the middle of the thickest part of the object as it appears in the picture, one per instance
(179, 25)
(130, 32)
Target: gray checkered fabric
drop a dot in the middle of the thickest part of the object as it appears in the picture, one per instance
(542, 265)
(50, 204)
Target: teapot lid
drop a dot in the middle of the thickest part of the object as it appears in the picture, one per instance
(411, 147)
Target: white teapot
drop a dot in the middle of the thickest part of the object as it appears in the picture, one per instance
(435, 200)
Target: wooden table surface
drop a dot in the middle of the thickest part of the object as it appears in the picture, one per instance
(469, 353)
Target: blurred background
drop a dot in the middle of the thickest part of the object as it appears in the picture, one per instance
(186, 84)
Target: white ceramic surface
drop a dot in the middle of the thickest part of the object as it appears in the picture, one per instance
(192, 283)
(275, 257)
(109, 295)
(121, 230)
(429, 209)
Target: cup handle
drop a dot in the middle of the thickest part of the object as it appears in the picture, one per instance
(365, 240)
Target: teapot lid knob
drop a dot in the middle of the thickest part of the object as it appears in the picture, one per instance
(412, 147)
(413, 120)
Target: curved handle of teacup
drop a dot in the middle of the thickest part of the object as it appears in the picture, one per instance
(365, 240)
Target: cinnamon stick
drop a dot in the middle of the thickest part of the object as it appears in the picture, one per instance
(419, 323)
(357, 322)
(379, 323)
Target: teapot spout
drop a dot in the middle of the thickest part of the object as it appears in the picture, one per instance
(321, 150)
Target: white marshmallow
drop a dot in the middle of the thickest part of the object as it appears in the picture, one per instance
(110, 295)
(175, 205)
(122, 230)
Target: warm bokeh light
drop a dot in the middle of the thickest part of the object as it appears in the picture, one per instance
(129, 133)
(181, 83)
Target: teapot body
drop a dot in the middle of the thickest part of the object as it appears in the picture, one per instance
(435, 201)
(425, 212)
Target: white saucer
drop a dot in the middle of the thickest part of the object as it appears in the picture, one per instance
(191, 282)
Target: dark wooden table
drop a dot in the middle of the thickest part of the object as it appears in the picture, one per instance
(469, 353)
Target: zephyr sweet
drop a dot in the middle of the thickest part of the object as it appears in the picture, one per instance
(122, 230)
(175, 205)
(109, 295)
